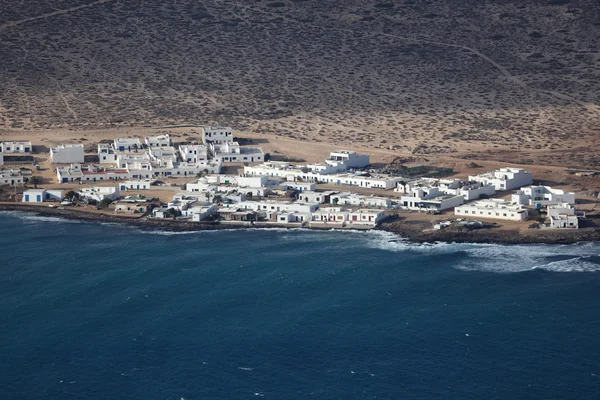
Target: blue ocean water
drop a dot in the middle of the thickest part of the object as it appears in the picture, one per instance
(101, 311)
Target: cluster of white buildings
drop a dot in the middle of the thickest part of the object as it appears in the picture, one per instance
(338, 169)
(250, 196)
(156, 157)
(440, 194)
(257, 198)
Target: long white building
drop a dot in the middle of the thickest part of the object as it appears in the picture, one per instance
(42, 195)
(494, 209)
(16, 147)
(67, 154)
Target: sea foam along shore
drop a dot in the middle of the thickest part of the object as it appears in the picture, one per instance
(412, 232)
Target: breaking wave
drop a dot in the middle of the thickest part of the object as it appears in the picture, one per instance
(499, 258)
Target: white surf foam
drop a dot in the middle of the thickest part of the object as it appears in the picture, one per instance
(578, 264)
(497, 258)
(519, 258)
(28, 217)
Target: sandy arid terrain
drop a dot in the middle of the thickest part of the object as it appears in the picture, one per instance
(512, 81)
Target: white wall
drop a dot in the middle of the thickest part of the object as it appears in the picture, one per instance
(494, 213)
(67, 154)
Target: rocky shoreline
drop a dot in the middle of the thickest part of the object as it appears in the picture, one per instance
(416, 231)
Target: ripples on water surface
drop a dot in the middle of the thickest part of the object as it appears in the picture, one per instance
(102, 311)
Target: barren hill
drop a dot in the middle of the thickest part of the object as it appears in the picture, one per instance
(500, 78)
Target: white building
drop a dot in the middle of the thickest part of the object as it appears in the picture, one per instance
(348, 159)
(456, 187)
(203, 212)
(424, 197)
(252, 181)
(232, 152)
(135, 185)
(316, 197)
(128, 145)
(333, 215)
(131, 207)
(292, 217)
(15, 147)
(563, 216)
(493, 208)
(11, 177)
(134, 161)
(354, 199)
(1, 158)
(42, 195)
(67, 154)
(193, 152)
(473, 190)
(99, 193)
(366, 217)
(299, 186)
(539, 196)
(158, 141)
(217, 134)
(504, 178)
(165, 156)
(276, 206)
(106, 154)
(367, 181)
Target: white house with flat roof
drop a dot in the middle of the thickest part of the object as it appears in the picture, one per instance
(339, 161)
(67, 154)
(193, 152)
(204, 212)
(348, 159)
(274, 206)
(355, 199)
(330, 215)
(16, 147)
(366, 217)
(540, 196)
(11, 177)
(504, 178)
(316, 197)
(494, 209)
(158, 141)
(217, 134)
(232, 152)
(252, 181)
(99, 193)
(563, 216)
(42, 195)
(106, 154)
(128, 145)
(299, 186)
(143, 184)
(456, 187)
(428, 197)
(292, 217)
(162, 156)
